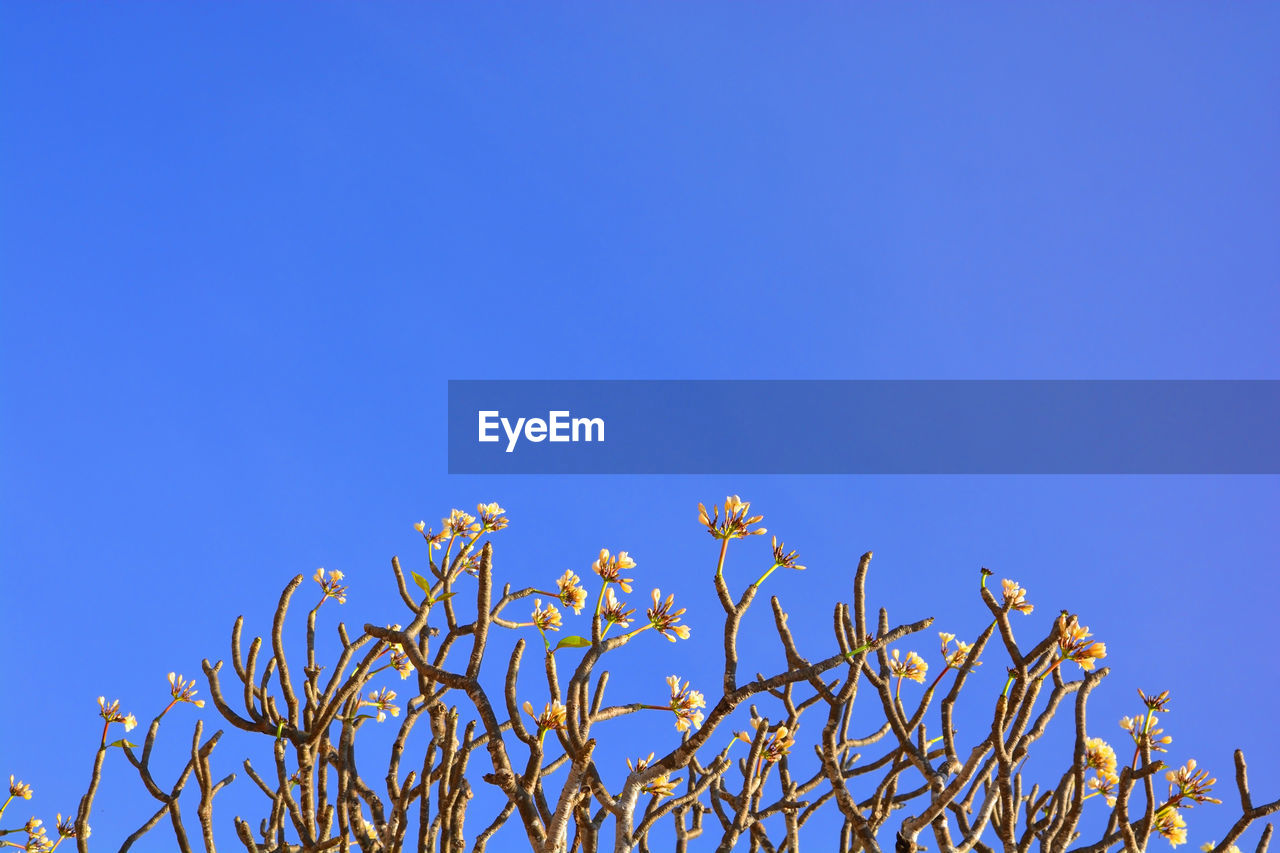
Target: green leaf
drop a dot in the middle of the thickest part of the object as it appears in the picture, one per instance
(446, 595)
(422, 583)
(122, 743)
(572, 642)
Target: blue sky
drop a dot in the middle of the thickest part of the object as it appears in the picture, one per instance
(245, 246)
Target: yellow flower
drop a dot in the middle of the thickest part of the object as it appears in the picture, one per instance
(66, 828)
(685, 704)
(1170, 824)
(614, 611)
(548, 619)
(182, 690)
(1106, 786)
(1150, 735)
(491, 516)
(960, 656)
(664, 620)
(552, 718)
(330, 586)
(662, 786)
(774, 747)
(1099, 756)
(1192, 784)
(19, 788)
(1015, 597)
(913, 668)
(571, 592)
(111, 713)
(1074, 643)
(381, 700)
(736, 522)
(421, 527)
(609, 568)
(459, 523)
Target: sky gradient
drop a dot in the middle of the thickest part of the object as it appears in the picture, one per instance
(243, 247)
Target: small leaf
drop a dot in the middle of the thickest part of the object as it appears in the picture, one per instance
(122, 743)
(422, 583)
(446, 595)
(572, 642)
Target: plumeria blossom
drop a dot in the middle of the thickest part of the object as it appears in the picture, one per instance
(1191, 784)
(37, 841)
(552, 718)
(1143, 730)
(1170, 824)
(381, 701)
(492, 517)
(434, 540)
(776, 746)
(958, 657)
(1105, 786)
(912, 668)
(111, 713)
(1099, 756)
(545, 619)
(610, 566)
(572, 594)
(459, 523)
(662, 786)
(615, 612)
(182, 690)
(685, 704)
(1074, 643)
(1015, 597)
(736, 524)
(332, 589)
(664, 620)
(19, 789)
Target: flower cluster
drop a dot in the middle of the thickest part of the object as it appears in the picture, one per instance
(776, 746)
(660, 787)
(959, 656)
(664, 620)
(1101, 758)
(610, 566)
(615, 612)
(1074, 643)
(1188, 783)
(19, 789)
(1170, 824)
(459, 523)
(434, 540)
(571, 593)
(1015, 597)
(912, 668)
(111, 713)
(182, 690)
(330, 586)
(736, 524)
(491, 517)
(545, 619)
(552, 718)
(784, 559)
(1143, 730)
(685, 704)
(381, 702)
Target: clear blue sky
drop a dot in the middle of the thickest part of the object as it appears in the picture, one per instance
(243, 247)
